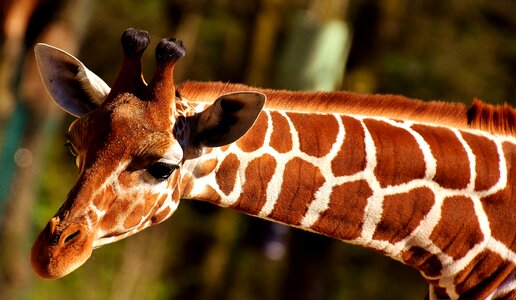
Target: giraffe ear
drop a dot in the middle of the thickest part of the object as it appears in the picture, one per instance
(227, 119)
(76, 89)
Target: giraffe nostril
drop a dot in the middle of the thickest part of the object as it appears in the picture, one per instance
(72, 236)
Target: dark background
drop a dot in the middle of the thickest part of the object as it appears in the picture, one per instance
(452, 50)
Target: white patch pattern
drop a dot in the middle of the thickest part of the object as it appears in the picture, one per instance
(419, 237)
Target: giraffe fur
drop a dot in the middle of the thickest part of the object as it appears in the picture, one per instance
(428, 184)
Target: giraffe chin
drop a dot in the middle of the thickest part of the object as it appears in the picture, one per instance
(54, 260)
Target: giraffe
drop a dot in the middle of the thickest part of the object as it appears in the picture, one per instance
(429, 184)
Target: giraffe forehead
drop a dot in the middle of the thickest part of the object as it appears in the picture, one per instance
(125, 134)
(127, 117)
(132, 111)
(127, 108)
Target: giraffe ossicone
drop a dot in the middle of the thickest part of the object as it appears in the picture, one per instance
(428, 184)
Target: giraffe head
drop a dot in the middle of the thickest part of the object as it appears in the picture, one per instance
(130, 143)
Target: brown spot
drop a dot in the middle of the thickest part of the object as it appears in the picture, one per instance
(223, 148)
(458, 229)
(97, 201)
(172, 181)
(509, 295)
(161, 216)
(176, 195)
(344, 216)
(402, 213)
(301, 180)
(254, 192)
(157, 206)
(227, 172)
(317, 133)
(104, 199)
(281, 138)
(134, 217)
(426, 262)
(487, 162)
(186, 185)
(110, 220)
(205, 168)
(173, 186)
(452, 170)
(500, 206)
(482, 275)
(352, 156)
(125, 180)
(399, 158)
(149, 201)
(210, 195)
(254, 138)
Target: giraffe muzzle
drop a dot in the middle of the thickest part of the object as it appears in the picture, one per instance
(59, 249)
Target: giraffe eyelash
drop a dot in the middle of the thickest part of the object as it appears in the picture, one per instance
(71, 148)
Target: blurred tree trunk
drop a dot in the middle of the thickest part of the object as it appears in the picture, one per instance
(35, 116)
(14, 19)
(316, 50)
(267, 27)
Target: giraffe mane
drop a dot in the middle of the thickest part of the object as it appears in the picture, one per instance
(479, 116)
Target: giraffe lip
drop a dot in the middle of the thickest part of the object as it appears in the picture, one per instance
(108, 239)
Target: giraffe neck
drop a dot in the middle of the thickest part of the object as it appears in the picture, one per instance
(414, 192)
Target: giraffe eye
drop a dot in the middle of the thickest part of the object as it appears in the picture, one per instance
(161, 171)
(71, 148)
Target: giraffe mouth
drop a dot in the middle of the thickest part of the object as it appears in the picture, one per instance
(99, 242)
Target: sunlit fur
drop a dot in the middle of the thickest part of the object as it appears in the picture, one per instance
(480, 115)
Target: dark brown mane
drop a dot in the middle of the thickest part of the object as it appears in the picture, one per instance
(481, 116)
(487, 117)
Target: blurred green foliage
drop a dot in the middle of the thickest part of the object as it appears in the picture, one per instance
(450, 50)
